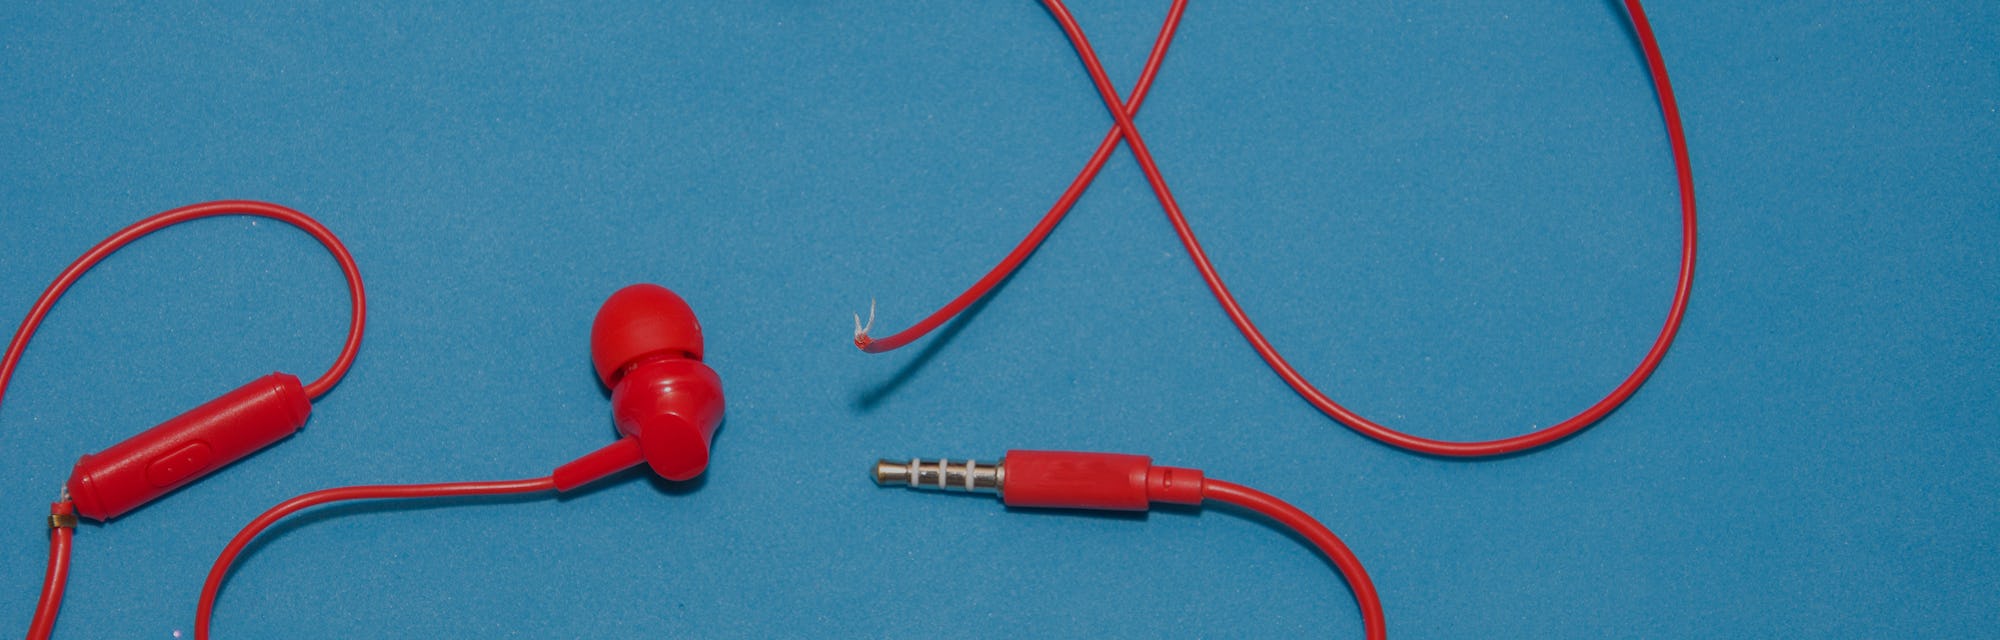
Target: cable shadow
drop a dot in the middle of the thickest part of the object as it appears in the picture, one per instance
(1631, 32)
(876, 395)
(373, 507)
(1497, 457)
(390, 506)
(1252, 515)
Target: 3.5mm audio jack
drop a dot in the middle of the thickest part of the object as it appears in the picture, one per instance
(1053, 479)
(1112, 481)
(970, 476)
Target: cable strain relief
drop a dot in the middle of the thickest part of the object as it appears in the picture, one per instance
(1174, 485)
(613, 458)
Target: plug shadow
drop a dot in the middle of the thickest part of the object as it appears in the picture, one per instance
(1179, 510)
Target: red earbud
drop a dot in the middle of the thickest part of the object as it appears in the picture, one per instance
(646, 346)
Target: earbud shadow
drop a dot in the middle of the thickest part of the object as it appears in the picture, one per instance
(881, 392)
(675, 488)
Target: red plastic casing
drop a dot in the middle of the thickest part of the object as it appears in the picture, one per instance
(672, 406)
(667, 410)
(131, 473)
(1080, 480)
(647, 347)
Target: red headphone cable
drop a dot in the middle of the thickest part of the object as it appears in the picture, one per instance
(62, 519)
(1041, 231)
(1121, 112)
(212, 587)
(647, 348)
(62, 526)
(1120, 482)
(1028, 479)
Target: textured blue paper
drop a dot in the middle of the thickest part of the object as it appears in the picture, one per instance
(1457, 218)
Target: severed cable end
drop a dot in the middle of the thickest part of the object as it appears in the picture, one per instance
(861, 330)
(942, 475)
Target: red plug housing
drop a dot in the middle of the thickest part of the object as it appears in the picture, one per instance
(1054, 479)
(111, 482)
(1081, 480)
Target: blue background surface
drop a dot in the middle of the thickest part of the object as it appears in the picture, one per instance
(1457, 219)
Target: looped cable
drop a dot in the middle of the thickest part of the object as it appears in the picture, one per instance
(62, 514)
(1122, 112)
(356, 295)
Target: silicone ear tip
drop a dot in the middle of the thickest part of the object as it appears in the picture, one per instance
(639, 321)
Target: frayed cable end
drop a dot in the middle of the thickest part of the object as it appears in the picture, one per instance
(861, 338)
